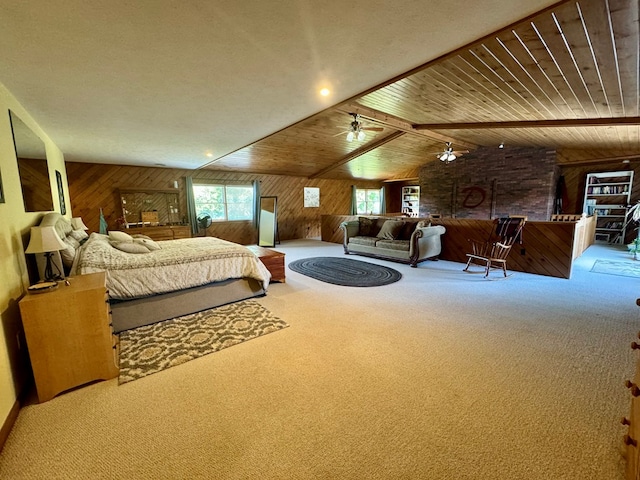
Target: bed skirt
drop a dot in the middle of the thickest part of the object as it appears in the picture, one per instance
(134, 313)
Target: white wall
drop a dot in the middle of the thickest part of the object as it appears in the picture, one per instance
(14, 235)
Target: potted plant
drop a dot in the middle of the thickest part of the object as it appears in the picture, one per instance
(633, 215)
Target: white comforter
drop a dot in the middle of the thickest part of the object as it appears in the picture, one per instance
(179, 264)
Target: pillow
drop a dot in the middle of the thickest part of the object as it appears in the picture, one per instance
(69, 253)
(79, 235)
(407, 230)
(390, 229)
(118, 236)
(130, 247)
(422, 224)
(366, 225)
(139, 235)
(147, 242)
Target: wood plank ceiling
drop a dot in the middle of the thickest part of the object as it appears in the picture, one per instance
(565, 78)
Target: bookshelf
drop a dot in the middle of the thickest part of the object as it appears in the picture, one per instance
(607, 195)
(411, 200)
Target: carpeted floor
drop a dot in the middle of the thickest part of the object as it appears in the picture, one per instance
(346, 271)
(156, 347)
(623, 269)
(441, 376)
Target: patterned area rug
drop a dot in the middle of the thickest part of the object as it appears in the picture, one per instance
(345, 271)
(150, 349)
(623, 269)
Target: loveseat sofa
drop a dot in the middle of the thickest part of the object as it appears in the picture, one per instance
(401, 240)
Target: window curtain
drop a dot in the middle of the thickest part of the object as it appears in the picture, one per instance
(191, 206)
(354, 201)
(383, 202)
(256, 202)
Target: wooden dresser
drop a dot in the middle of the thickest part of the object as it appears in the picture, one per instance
(162, 232)
(632, 438)
(69, 335)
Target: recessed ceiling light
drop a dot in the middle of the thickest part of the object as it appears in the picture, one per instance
(209, 154)
(325, 92)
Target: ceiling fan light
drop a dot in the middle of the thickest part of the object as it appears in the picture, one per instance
(443, 157)
(451, 157)
(361, 136)
(350, 136)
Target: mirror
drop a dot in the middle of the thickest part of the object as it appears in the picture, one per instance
(150, 208)
(32, 167)
(267, 222)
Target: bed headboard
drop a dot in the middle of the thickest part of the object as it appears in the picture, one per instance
(61, 224)
(70, 237)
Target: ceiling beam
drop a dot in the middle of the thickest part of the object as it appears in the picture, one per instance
(576, 122)
(399, 124)
(359, 152)
(589, 161)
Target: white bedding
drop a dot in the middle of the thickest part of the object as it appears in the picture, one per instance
(179, 264)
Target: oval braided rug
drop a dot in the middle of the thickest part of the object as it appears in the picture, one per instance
(345, 271)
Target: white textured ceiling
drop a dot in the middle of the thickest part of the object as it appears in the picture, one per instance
(152, 82)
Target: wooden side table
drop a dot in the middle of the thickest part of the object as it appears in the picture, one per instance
(69, 335)
(273, 260)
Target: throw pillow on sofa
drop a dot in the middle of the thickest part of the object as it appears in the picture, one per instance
(390, 229)
(407, 230)
(366, 226)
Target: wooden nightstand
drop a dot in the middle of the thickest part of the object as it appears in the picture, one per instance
(69, 336)
(273, 260)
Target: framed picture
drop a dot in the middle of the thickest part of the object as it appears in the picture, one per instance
(63, 206)
(311, 197)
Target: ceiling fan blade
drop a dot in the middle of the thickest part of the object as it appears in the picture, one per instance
(373, 129)
(340, 133)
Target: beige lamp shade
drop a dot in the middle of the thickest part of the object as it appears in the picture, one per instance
(44, 239)
(78, 224)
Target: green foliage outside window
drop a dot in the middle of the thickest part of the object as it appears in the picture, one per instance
(224, 202)
(367, 201)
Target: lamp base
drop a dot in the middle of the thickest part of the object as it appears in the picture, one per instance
(49, 275)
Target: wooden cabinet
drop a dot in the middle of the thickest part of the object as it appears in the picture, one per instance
(162, 232)
(411, 200)
(273, 260)
(607, 196)
(69, 336)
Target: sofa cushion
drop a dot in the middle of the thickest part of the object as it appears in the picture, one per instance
(360, 240)
(400, 245)
(390, 229)
(366, 225)
(407, 230)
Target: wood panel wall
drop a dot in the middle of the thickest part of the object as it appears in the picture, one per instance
(95, 186)
(546, 249)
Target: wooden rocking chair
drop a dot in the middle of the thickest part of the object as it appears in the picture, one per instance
(492, 254)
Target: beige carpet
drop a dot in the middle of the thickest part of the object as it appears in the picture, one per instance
(153, 348)
(442, 375)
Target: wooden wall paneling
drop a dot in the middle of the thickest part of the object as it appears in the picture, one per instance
(95, 186)
(547, 247)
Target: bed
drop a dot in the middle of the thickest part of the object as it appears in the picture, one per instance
(169, 279)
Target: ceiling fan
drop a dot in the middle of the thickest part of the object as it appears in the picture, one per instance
(356, 129)
(449, 154)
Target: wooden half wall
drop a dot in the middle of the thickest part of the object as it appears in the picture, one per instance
(548, 248)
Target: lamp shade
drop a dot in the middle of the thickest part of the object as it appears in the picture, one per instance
(44, 239)
(78, 224)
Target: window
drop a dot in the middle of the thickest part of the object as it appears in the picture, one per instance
(367, 201)
(224, 202)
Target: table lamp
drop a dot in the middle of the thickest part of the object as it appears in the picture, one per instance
(78, 224)
(45, 240)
